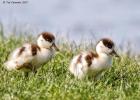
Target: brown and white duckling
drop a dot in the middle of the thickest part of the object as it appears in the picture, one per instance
(92, 64)
(32, 56)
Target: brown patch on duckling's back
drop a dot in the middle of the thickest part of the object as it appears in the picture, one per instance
(90, 56)
(21, 51)
(34, 49)
(79, 59)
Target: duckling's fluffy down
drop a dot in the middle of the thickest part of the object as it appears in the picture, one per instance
(16, 60)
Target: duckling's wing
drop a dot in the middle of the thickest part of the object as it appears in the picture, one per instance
(18, 63)
(25, 49)
(14, 54)
(27, 55)
(19, 57)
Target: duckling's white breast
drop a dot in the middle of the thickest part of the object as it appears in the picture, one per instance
(101, 63)
(44, 55)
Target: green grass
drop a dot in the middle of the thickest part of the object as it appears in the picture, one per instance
(54, 82)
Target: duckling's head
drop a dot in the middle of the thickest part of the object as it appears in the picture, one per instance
(106, 46)
(46, 40)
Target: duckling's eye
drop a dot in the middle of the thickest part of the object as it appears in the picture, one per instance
(49, 40)
(109, 46)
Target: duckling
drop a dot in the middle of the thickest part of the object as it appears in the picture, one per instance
(93, 64)
(30, 57)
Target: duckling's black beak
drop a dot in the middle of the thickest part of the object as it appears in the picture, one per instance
(114, 53)
(55, 47)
